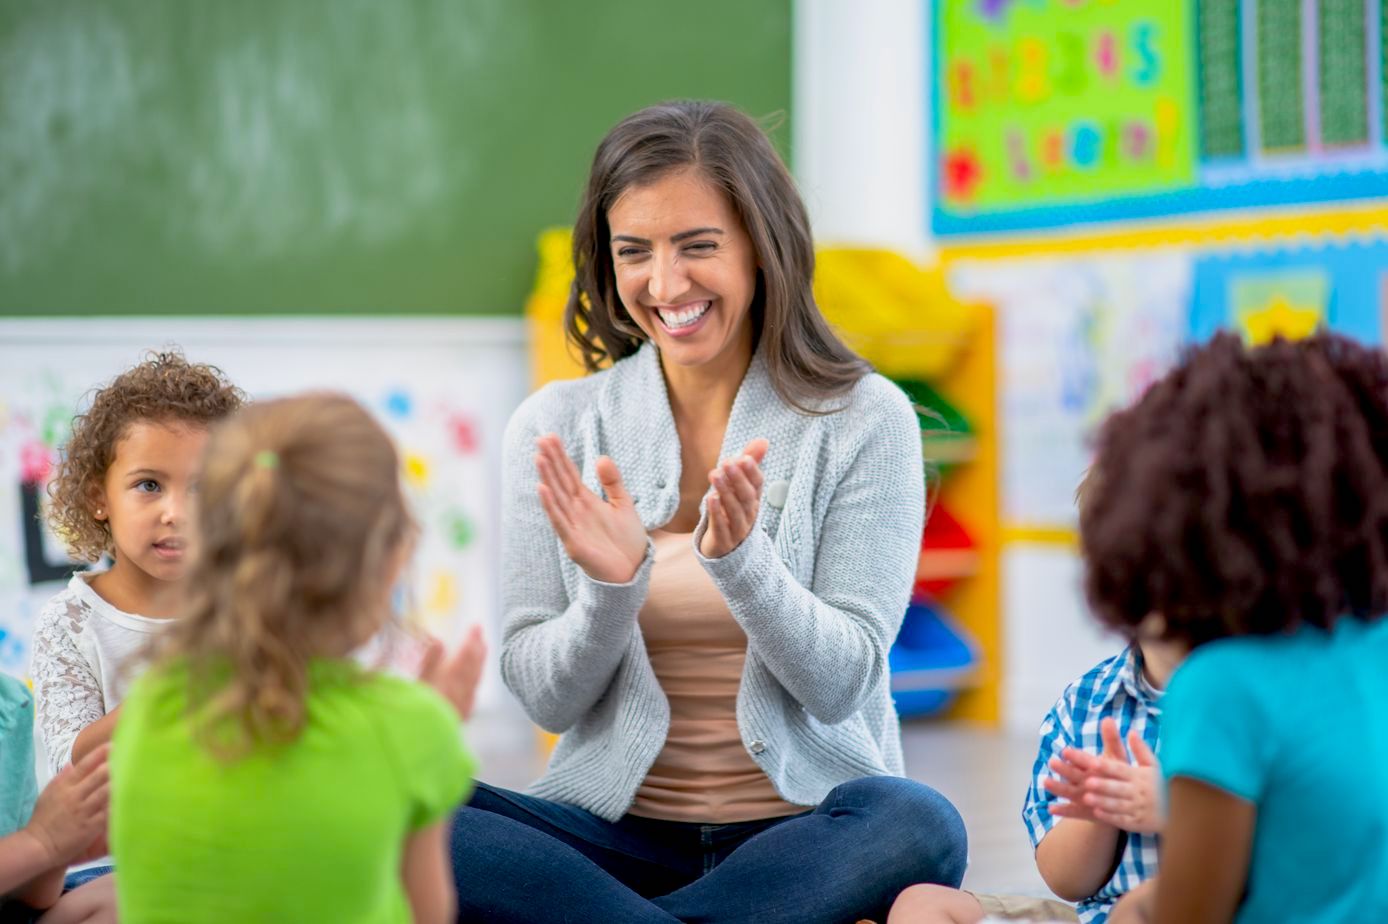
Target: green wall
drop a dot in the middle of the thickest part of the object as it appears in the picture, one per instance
(333, 156)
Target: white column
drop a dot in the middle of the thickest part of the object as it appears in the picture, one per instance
(861, 121)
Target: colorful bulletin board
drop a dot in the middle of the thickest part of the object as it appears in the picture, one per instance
(443, 388)
(1054, 112)
(1083, 333)
(1292, 287)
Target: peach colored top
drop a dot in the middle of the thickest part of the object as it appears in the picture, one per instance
(697, 650)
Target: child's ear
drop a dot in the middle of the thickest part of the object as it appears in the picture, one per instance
(96, 503)
(1153, 626)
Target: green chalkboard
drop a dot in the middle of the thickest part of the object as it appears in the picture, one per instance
(330, 156)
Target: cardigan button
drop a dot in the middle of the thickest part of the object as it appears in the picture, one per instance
(776, 493)
(660, 484)
(757, 746)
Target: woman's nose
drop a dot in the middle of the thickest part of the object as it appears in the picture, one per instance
(668, 280)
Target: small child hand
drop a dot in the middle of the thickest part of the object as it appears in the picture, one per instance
(455, 674)
(1107, 788)
(70, 814)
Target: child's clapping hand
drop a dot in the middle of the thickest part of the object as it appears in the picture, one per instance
(69, 818)
(455, 674)
(1107, 788)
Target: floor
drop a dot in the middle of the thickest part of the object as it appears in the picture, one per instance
(984, 772)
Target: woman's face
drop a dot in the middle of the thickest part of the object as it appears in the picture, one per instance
(686, 270)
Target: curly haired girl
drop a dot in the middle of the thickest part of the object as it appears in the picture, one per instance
(1250, 521)
(122, 488)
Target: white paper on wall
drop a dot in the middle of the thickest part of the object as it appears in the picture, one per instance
(1078, 337)
(443, 388)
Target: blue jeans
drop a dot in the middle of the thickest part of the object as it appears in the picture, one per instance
(523, 859)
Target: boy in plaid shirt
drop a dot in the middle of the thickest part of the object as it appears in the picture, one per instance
(1093, 810)
(1094, 807)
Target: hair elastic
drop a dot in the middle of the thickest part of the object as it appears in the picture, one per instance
(267, 458)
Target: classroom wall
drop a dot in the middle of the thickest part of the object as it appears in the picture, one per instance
(329, 156)
(861, 141)
(1187, 192)
(166, 160)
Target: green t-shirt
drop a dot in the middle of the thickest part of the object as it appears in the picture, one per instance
(309, 831)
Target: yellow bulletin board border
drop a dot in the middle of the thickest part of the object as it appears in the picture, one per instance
(1217, 229)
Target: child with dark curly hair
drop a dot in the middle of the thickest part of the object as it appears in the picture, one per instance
(121, 488)
(1251, 513)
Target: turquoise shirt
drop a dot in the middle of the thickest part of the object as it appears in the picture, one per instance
(1296, 725)
(18, 786)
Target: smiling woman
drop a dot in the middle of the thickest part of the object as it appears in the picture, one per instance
(688, 289)
(707, 551)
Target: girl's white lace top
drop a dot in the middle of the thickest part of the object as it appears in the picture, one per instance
(83, 649)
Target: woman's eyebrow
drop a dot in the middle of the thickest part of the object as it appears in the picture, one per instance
(674, 238)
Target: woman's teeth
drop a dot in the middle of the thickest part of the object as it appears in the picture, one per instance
(683, 317)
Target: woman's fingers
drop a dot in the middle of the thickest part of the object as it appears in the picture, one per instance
(557, 517)
(736, 503)
(561, 499)
(95, 772)
(713, 535)
(752, 472)
(553, 452)
(719, 536)
(756, 449)
(572, 478)
(735, 473)
(611, 480)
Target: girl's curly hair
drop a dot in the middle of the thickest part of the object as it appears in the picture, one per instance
(165, 388)
(1246, 493)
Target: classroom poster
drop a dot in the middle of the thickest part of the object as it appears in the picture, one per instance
(1291, 287)
(1051, 112)
(1083, 334)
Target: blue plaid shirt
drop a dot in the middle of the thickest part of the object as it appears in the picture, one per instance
(1117, 688)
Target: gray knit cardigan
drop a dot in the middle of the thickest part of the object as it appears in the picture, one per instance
(819, 586)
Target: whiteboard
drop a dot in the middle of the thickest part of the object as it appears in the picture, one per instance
(443, 388)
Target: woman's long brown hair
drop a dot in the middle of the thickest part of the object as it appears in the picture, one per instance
(807, 362)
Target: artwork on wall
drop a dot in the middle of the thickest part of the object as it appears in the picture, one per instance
(1077, 337)
(1289, 286)
(443, 389)
(1051, 112)
(1083, 334)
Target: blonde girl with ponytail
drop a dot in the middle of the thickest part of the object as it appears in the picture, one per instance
(259, 773)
